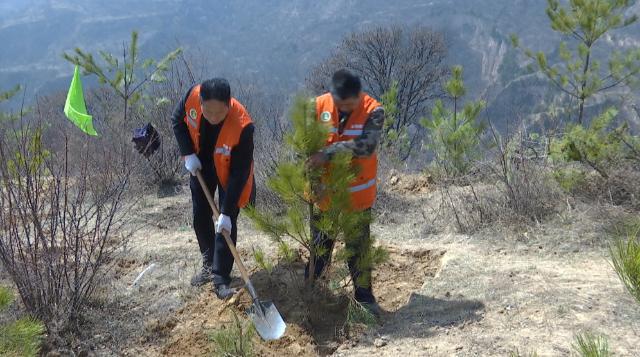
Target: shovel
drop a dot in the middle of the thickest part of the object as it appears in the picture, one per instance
(264, 314)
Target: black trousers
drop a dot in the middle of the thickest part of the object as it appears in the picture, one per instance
(361, 278)
(216, 255)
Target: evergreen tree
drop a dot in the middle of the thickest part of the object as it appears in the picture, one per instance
(453, 135)
(394, 142)
(578, 74)
(304, 189)
(596, 145)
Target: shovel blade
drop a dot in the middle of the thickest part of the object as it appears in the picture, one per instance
(267, 320)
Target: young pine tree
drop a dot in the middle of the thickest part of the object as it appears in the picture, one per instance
(304, 190)
(235, 339)
(127, 76)
(130, 78)
(579, 74)
(394, 142)
(453, 135)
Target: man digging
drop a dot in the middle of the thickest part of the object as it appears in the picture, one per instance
(215, 135)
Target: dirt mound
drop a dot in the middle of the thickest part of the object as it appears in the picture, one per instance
(315, 322)
(410, 183)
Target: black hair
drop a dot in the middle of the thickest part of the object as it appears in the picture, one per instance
(215, 88)
(345, 84)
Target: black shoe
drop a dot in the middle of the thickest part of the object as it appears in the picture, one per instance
(373, 308)
(201, 278)
(224, 291)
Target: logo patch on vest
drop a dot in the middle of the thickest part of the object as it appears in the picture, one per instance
(325, 117)
(191, 118)
(193, 114)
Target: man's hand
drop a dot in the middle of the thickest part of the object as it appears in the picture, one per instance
(316, 160)
(223, 223)
(192, 164)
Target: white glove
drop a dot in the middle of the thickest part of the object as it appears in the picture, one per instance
(223, 223)
(192, 163)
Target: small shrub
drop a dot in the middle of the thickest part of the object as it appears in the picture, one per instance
(620, 188)
(21, 337)
(623, 187)
(590, 345)
(62, 215)
(514, 187)
(570, 179)
(262, 260)
(5, 298)
(596, 145)
(625, 258)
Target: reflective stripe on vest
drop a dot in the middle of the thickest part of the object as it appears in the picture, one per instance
(363, 186)
(352, 132)
(226, 151)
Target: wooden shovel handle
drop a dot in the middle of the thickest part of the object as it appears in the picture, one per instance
(227, 238)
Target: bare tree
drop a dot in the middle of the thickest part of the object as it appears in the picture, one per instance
(268, 112)
(158, 109)
(411, 57)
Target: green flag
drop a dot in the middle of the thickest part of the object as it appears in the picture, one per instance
(75, 108)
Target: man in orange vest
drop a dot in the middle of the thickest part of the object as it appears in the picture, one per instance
(215, 135)
(355, 121)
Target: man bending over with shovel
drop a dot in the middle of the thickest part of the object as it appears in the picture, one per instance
(215, 136)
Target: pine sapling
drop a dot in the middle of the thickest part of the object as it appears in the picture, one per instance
(454, 135)
(315, 196)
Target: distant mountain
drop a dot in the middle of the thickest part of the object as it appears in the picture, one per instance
(277, 41)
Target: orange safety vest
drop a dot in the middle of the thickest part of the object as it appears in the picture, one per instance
(232, 126)
(363, 188)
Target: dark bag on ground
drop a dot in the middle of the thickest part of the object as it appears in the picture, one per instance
(146, 140)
